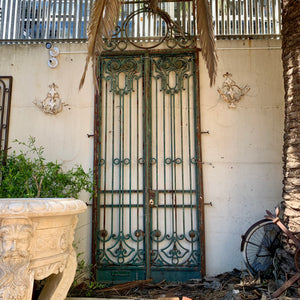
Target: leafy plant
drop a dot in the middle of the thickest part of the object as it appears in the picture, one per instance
(84, 284)
(27, 174)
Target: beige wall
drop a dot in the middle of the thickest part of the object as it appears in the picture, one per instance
(242, 153)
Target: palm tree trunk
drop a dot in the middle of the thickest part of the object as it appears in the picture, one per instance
(291, 148)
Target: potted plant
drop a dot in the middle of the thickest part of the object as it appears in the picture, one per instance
(38, 216)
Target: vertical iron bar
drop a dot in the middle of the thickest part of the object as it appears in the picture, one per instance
(75, 20)
(70, 21)
(147, 156)
(2, 105)
(199, 181)
(48, 18)
(251, 17)
(164, 159)
(183, 18)
(217, 17)
(85, 22)
(239, 17)
(228, 17)
(112, 163)
(23, 9)
(97, 155)
(13, 20)
(172, 145)
(246, 25)
(256, 17)
(28, 21)
(130, 154)
(263, 31)
(2, 22)
(233, 17)
(273, 15)
(120, 164)
(156, 149)
(34, 22)
(64, 18)
(137, 156)
(279, 16)
(182, 154)
(8, 18)
(59, 15)
(122, 158)
(268, 16)
(105, 156)
(43, 15)
(80, 16)
(190, 109)
(54, 21)
(222, 16)
(8, 104)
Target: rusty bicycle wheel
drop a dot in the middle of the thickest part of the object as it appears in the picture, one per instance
(259, 244)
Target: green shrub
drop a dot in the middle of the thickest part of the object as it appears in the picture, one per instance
(27, 174)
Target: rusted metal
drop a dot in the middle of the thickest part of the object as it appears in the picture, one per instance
(149, 226)
(5, 105)
(275, 219)
(95, 214)
(286, 285)
(200, 196)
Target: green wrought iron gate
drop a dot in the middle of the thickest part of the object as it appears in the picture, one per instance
(148, 217)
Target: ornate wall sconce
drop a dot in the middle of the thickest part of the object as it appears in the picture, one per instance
(52, 104)
(231, 92)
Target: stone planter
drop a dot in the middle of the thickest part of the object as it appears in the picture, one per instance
(36, 243)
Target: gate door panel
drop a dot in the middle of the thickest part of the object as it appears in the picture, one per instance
(121, 235)
(149, 211)
(174, 227)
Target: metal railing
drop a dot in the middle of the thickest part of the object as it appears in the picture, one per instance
(246, 18)
(67, 20)
(32, 20)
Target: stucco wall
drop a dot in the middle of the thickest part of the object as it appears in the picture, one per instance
(242, 172)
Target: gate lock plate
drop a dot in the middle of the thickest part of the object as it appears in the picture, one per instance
(152, 199)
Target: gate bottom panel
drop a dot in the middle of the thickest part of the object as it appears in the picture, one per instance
(174, 274)
(117, 274)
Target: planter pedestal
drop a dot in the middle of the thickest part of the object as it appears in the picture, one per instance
(36, 237)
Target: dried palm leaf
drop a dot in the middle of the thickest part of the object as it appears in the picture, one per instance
(153, 4)
(206, 37)
(102, 24)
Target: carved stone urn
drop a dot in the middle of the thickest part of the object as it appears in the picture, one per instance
(36, 242)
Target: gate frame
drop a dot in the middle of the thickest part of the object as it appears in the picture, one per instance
(6, 99)
(97, 122)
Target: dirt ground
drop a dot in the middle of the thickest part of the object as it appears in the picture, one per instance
(235, 285)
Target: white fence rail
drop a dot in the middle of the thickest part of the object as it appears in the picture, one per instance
(38, 20)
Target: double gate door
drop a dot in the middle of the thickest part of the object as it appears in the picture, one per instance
(149, 213)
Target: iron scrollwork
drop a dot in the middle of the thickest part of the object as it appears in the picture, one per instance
(128, 33)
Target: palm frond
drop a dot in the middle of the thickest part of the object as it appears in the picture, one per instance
(153, 4)
(102, 24)
(206, 37)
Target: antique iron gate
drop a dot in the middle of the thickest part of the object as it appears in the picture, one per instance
(149, 213)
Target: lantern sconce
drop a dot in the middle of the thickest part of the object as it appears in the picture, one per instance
(53, 53)
(231, 92)
(52, 104)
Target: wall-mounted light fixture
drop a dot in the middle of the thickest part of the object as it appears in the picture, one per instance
(52, 104)
(231, 92)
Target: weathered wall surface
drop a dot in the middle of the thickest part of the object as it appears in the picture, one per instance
(242, 152)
